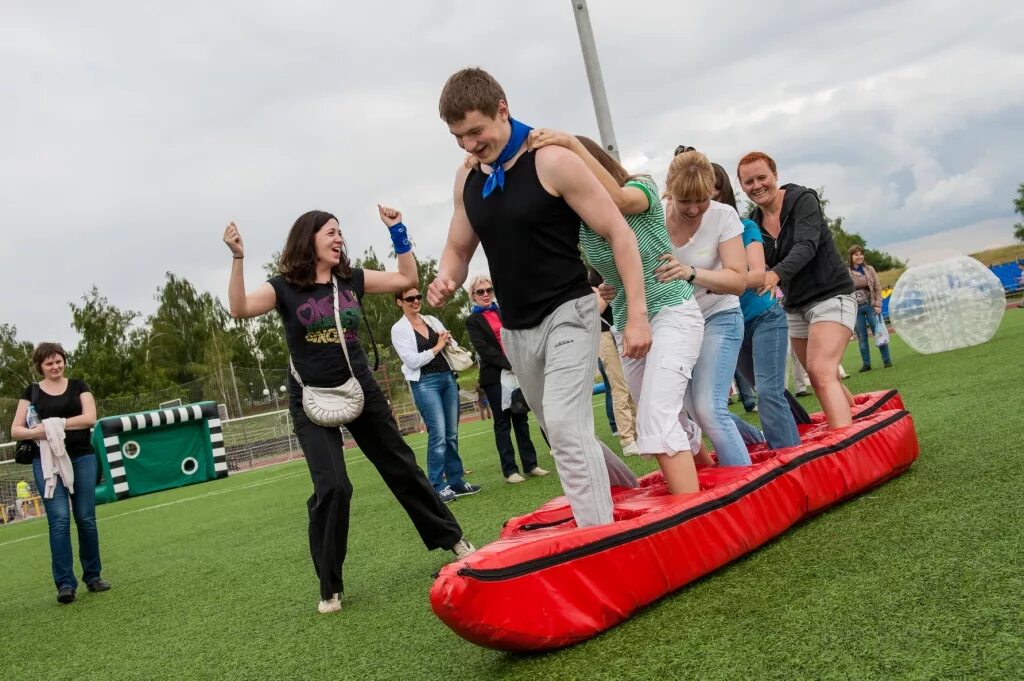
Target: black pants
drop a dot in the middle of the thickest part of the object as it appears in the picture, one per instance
(504, 422)
(377, 435)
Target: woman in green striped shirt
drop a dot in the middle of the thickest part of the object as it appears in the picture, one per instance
(677, 326)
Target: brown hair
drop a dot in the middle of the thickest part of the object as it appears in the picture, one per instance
(606, 160)
(471, 89)
(724, 187)
(854, 250)
(690, 177)
(298, 258)
(45, 351)
(754, 157)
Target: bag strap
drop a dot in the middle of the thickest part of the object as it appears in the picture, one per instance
(34, 394)
(341, 335)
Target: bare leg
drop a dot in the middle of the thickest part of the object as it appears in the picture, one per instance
(820, 354)
(679, 471)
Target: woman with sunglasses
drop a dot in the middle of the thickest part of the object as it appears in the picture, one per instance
(315, 289)
(484, 328)
(420, 341)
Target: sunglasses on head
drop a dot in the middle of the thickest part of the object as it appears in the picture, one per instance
(681, 149)
(481, 291)
(413, 299)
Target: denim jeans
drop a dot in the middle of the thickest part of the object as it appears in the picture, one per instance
(707, 399)
(437, 399)
(58, 517)
(609, 405)
(763, 362)
(867, 319)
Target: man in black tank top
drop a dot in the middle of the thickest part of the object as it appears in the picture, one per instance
(525, 209)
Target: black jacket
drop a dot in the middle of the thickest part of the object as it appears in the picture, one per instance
(492, 358)
(810, 268)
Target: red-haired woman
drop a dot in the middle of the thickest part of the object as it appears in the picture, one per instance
(802, 259)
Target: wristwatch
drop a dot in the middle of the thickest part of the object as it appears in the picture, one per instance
(693, 275)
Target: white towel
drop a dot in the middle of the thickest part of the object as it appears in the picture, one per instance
(54, 459)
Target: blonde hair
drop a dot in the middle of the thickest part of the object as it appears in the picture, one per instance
(690, 177)
(477, 280)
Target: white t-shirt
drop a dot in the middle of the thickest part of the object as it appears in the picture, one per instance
(720, 223)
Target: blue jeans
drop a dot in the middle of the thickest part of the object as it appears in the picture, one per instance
(437, 399)
(707, 399)
(867, 319)
(763, 362)
(609, 406)
(58, 517)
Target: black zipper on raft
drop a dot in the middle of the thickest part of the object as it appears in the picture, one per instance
(878, 405)
(498, 574)
(540, 526)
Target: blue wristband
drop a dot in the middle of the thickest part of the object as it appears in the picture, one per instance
(400, 238)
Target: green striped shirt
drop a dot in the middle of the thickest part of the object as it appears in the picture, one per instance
(652, 239)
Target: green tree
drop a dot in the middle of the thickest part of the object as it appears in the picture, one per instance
(16, 369)
(108, 344)
(1018, 207)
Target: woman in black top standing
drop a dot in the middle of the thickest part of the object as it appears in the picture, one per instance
(312, 262)
(59, 397)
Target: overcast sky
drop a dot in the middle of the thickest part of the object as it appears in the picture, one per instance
(132, 132)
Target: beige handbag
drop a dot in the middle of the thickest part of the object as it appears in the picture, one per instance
(458, 357)
(333, 407)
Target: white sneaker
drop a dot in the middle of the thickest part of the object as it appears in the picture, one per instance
(538, 472)
(329, 606)
(631, 448)
(461, 549)
(515, 477)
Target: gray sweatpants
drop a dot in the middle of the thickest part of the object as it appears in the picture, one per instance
(555, 363)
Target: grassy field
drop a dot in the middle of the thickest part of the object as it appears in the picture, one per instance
(921, 578)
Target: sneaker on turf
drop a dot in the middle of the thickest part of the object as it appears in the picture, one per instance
(66, 595)
(447, 495)
(98, 585)
(631, 448)
(537, 472)
(333, 604)
(465, 489)
(515, 478)
(463, 548)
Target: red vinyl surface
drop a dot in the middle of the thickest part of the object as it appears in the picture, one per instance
(546, 583)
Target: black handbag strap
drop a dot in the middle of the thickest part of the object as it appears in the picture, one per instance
(34, 395)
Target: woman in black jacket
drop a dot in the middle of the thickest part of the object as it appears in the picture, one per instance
(484, 328)
(802, 259)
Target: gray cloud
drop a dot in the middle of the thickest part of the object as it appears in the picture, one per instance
(134, 132)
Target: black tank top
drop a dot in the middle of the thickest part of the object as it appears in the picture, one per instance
(531, 240)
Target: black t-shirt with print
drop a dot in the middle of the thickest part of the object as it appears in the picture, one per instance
(312, 334)
(65, 405)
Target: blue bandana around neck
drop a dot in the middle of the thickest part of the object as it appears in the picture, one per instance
(859, 268)
(478, 309)
(497, 176)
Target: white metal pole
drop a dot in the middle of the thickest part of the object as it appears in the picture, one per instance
(589, 47)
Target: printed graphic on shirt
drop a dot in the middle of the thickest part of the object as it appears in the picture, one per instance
(317, 317)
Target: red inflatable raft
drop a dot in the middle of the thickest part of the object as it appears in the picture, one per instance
(546, 583)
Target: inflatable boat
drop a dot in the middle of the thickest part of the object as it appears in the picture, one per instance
(546, 583)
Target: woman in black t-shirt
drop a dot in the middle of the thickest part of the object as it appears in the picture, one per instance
(313, 257)
(69, 399)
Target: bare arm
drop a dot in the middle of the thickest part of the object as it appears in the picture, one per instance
(629, 200)
(405, 278)
(564, 174)
(241, 305)
(87, 419)
(19, 431)
(755, 265)
(731, 278)
(458, 250)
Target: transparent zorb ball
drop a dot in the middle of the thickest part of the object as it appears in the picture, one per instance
(947, 305)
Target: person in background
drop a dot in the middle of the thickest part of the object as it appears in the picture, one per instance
(619, 403)
(482, 405)
(484, 328)
(65, 468)
(868, 293)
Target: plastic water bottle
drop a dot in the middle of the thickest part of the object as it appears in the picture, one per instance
(32, 418)
(946, 305)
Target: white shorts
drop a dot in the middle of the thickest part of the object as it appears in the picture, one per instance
(676, 333)
(841, 309)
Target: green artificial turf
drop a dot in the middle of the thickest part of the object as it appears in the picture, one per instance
(920, 578)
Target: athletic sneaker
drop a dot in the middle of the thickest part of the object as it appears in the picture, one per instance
(329, 606)
(66, 595)
(463, 548)
(447, 495)
(631, 448)
(538, 472)
(465, 489)
(514, 478)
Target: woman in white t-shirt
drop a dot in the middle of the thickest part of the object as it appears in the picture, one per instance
(707, 240)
